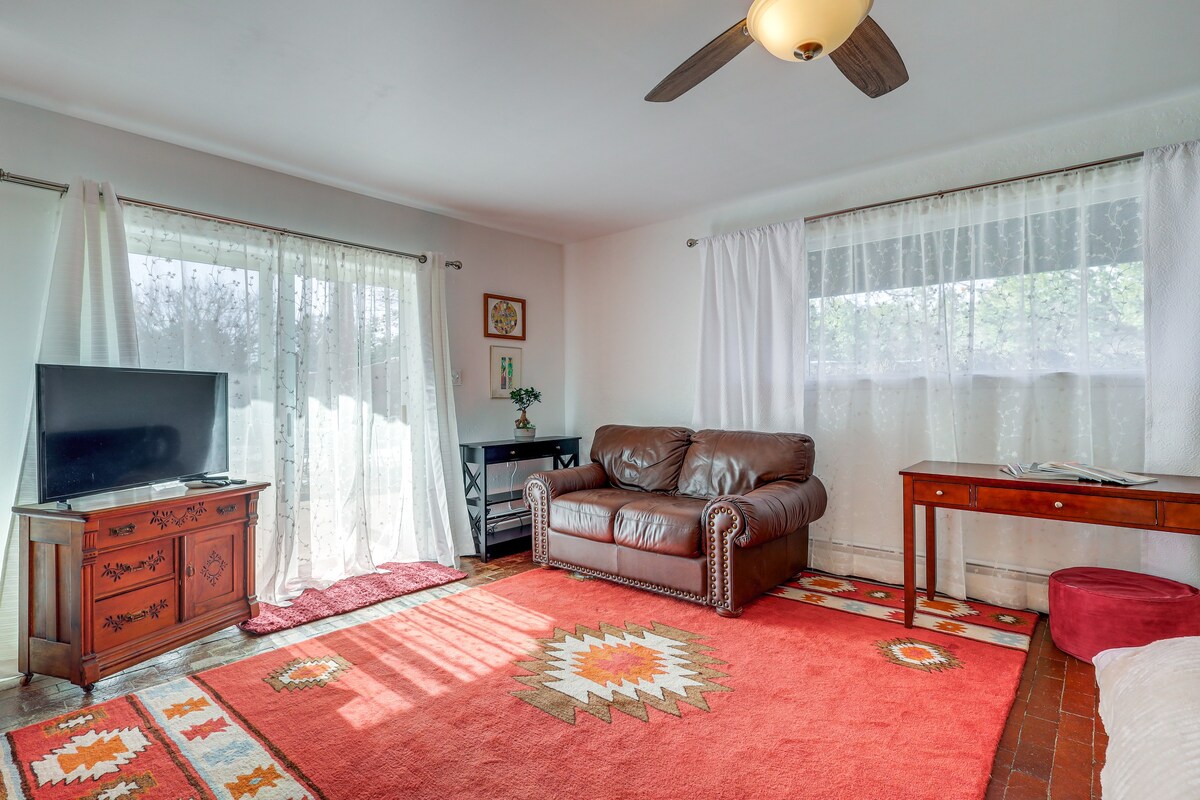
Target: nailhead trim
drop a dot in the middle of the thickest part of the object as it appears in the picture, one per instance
(719, 561)
(653, 587)
(537, 498)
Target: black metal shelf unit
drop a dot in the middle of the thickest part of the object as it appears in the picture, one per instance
(478, 456)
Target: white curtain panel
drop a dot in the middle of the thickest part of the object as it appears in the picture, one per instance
(444, 460)
(337, 388)
(89, 317)
(1172, 219)
(89, 320)
(991, 325)
(752, 327)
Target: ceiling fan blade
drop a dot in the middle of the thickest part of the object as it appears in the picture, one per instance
(707, 60)
(870, 61)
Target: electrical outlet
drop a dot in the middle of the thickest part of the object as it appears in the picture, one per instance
(456, 377)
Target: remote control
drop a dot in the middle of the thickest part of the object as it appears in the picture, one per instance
(207, 483)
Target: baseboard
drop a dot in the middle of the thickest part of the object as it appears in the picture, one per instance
(1002, 585)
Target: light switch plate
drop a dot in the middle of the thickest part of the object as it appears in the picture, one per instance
(456, 377)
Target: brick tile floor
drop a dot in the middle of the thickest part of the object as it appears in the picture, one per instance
(1053, 745)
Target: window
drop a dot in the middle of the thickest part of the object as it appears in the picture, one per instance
(1040, 276)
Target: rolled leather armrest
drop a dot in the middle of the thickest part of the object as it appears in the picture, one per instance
(542, 487)
(575, 479)
(769, 512)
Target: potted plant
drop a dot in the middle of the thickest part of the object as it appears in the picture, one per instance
(523, 399)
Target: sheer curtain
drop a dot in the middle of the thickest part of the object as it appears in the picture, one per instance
(1172, 336)
(992, 325)
(89, 320)
(752, 327)
(336, 391)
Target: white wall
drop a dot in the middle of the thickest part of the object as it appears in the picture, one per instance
(52, 146)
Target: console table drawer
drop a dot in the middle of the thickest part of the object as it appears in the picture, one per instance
(1081, 508)
(1182, 515)
(518, 451)
(958, 494)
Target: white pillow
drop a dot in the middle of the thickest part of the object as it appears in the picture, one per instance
(1150, 706)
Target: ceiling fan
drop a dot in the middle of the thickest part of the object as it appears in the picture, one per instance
(800, 30)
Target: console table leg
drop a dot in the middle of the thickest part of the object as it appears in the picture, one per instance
(930, 552)
(910, 559)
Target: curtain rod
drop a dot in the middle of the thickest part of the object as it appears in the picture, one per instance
(939, 193)
(61, 188)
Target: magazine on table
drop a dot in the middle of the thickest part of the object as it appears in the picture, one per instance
(1073, 471)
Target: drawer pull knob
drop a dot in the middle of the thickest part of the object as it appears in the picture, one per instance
(229, 509)
(121, 620)
(939, 493)
(1058, 504)
(124, 530)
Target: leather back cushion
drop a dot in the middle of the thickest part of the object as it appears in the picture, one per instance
(634, 457)
(736, 462)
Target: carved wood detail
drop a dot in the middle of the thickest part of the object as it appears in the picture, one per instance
(189, 515)
(119, 570)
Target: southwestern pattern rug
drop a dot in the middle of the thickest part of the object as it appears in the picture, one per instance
(545, 686)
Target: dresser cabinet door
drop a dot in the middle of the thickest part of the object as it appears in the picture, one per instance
(214, 569)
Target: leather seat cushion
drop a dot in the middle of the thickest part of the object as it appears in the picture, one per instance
(590, 513)
(737, 462)
(645, 458)
(661, 524)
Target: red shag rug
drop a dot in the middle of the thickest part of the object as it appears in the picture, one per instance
(542, 686)
(349, 594)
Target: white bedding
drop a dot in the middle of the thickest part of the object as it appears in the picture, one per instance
(1150, 706)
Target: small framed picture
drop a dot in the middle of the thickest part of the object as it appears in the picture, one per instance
(505, 370)
(503, 317)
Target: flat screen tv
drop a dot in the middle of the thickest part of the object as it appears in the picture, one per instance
(106, 428)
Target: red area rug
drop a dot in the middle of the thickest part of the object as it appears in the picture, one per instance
(542, 686)
(350, 594)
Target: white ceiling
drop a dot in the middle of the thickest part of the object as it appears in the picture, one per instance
(527, 115)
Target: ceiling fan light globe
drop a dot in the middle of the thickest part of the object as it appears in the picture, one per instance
(789, 28)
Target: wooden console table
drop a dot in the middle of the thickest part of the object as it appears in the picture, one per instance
(123, 576)
(1172, 503)
(476, 456)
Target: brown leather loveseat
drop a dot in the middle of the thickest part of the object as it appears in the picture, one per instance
(714, 517)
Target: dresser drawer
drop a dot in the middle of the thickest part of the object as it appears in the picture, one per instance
(1182, 515)
(133, 614)
(1081, 508)
(176, 517)
(956, 494)
(130, 567)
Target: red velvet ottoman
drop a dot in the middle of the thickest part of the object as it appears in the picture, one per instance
(1093, 609)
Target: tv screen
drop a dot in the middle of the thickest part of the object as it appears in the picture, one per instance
(106, 428)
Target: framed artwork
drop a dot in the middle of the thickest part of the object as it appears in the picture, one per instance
(505, 370)
(503, 317)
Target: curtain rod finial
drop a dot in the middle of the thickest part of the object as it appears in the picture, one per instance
(454, 264)
(693, 242)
